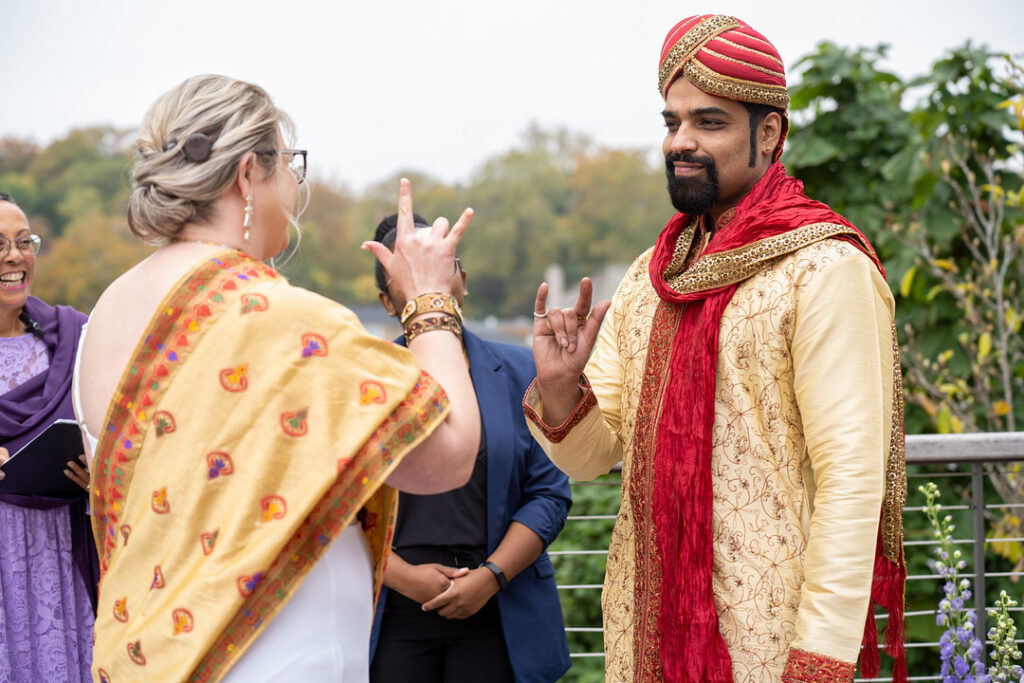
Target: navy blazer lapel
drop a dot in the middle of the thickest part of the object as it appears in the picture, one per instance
(492, 394)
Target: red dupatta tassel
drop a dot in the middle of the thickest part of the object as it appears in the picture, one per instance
(887, 591)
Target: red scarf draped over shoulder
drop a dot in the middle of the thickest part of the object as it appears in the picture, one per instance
(692, 648)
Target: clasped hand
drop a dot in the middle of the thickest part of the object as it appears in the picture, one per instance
(467, 592)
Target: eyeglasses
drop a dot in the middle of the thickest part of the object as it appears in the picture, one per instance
(294, 158)
(27, 244)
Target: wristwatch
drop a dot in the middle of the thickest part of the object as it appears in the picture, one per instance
(431, 302)
(498, 574)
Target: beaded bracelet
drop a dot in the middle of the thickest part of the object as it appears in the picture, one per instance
(420, 326)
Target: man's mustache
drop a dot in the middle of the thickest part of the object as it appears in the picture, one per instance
(672, 157)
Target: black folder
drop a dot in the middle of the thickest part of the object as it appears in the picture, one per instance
(38, 468)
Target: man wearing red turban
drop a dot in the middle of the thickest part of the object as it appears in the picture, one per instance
(748, 379)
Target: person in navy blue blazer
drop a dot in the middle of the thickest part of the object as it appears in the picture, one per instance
(470, 590)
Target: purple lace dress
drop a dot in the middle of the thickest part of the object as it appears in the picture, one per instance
(45, 614)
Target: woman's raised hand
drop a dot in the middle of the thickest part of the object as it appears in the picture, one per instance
(423, 260)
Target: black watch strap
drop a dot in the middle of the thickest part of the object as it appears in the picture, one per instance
(498, 574)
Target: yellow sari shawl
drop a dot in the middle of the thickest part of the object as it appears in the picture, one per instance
(253, 423)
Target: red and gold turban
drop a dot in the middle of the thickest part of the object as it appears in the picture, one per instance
(723, 56)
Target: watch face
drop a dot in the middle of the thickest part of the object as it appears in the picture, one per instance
(408, 311)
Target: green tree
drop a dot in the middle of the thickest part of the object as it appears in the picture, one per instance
(939, 158)
(77, 266)
(619, 205)
(847, 123)
(92, 160)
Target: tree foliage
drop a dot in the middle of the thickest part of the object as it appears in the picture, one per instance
(932, 173)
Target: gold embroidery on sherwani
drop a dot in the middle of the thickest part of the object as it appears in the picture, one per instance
(895, 467)
(648, 588)
(682, 249)
(725, 268)
(760, 505)
(633, 325)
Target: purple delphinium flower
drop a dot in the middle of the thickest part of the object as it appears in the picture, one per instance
(946, 647)
(960, 651)
(960, 666)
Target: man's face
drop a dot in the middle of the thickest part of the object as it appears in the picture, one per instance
(707, 150)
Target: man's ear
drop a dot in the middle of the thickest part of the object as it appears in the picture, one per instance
(385, 301)
(770, 131)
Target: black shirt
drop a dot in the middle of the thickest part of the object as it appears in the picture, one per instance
(456, 518)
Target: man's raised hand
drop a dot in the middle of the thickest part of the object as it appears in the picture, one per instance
(562, 342)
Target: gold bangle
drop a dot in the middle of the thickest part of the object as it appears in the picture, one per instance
(444, 322)
(440, 302)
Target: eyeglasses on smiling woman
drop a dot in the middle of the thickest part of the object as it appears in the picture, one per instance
(26, 244)
(294, 158)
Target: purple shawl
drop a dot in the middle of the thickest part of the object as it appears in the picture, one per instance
(32, 406)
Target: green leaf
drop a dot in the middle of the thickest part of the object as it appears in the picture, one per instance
(995, 120)
(813, 151)
(949, 389)
(907, 281)
(1013, 320)
(984, 346)
(903, 166)
(944, 420)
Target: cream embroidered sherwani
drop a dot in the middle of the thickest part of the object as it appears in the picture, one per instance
(803, 418)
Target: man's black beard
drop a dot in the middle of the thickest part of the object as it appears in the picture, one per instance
(693, 196)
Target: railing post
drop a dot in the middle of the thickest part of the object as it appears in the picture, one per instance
(978, 522)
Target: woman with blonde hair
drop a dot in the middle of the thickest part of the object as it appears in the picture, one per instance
(247, 436)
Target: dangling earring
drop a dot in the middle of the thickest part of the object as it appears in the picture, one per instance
(247, 223)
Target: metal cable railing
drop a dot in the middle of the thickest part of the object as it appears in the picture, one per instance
(968, 456)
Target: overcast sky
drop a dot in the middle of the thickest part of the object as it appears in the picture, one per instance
(376, 86)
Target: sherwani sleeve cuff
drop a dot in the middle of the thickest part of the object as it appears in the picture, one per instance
(584, 446)
(533, 408)
(811, 667)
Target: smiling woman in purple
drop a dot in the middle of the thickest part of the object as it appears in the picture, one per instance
(47, 558)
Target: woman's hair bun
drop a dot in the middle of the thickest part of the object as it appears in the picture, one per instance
(221, 120)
